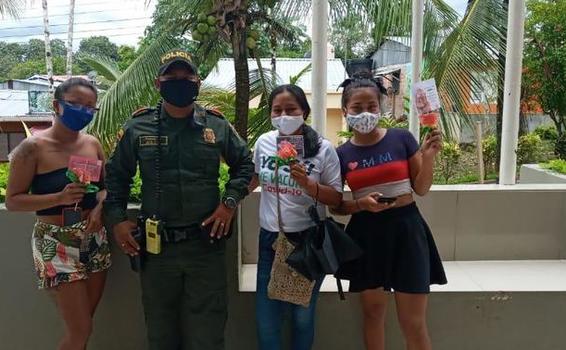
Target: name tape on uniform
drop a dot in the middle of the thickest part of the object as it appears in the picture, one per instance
(152, 141)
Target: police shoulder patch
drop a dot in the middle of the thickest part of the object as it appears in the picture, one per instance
(120, 134)
(142, 111)
(215, 112)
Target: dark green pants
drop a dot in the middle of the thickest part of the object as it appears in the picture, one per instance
(184, 297)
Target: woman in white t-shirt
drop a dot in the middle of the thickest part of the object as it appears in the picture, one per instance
(314, 176)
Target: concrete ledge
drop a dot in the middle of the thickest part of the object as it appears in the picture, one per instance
(535, 174)
(471, 222)
(470, 276)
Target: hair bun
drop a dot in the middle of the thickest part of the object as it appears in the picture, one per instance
(363, 75)
(345, 83)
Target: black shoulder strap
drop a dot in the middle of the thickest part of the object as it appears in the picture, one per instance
(158, 160)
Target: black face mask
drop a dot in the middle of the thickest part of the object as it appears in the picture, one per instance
(180, 93)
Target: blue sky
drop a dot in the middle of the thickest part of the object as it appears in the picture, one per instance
(123, 21)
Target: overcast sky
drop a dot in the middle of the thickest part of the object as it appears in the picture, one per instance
(123, 21)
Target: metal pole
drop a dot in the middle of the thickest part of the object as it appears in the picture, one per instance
(512, 96)
(416, 60)
(319, 64)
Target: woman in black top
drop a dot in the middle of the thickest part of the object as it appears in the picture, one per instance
(71, 257)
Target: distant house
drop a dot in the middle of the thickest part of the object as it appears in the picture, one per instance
(25, 85)
(392, 61)
(223, 77)
(15, 109)
(393, 51)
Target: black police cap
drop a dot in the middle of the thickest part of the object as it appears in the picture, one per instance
(174, 57)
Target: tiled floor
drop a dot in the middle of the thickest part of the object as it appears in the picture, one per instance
(472, 276)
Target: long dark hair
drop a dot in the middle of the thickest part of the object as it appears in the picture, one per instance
(311, 137)
(360, 81)
(68, 84)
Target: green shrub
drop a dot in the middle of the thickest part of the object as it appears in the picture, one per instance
(530, 150)
(448, 160)
(135, 191)
(389, 123)
(489, 146)
(558, 165)
(224, 177)
(560, 146)
(3, 180)
(547, 132)
(345, 134)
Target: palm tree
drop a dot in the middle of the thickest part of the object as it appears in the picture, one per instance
(48, 55)
(471, 47)
(11, 8)
(133, 89)
(70, 39)
(136, 82)
(454, 49)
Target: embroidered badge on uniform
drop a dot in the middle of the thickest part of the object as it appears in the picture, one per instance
(209, 136)
(152, 141)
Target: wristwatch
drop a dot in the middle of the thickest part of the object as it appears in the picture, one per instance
(230, 202)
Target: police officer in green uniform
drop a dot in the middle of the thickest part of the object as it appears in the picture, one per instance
(178, 147)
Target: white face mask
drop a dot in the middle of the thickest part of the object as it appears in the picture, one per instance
(287, 124)
(364, 123)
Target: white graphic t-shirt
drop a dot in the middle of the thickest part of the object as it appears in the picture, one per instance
(295, 202)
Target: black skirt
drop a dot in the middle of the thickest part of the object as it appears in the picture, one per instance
(399, 252)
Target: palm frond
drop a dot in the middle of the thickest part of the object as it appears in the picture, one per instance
(133, 89)
(291, 9)
(470, 48)
(11, 8)
(281, 26)
(223, 100)
(294, 79)
(103, 66)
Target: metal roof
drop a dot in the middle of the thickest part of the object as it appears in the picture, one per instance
(13, 102)
(223, 75)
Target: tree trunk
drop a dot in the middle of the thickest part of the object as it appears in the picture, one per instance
(70, 40)
(501, 90)
(273, 52)
(273, 46)
(48, 55)
(241, 68)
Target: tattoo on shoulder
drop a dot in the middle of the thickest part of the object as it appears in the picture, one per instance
(24, 150)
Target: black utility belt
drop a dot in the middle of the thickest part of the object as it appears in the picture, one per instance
(180, 234)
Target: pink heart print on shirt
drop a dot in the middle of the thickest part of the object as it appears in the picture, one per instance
(353, 165)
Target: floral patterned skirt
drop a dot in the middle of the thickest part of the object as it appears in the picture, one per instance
(67, 254)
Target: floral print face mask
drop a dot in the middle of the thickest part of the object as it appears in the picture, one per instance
(363, 123)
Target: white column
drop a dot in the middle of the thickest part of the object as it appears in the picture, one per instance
(319, 64)
(416, 60)
(512, 96)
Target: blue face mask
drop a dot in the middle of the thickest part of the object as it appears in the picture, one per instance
(76, 117)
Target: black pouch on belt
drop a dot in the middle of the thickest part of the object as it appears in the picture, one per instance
(137, 261)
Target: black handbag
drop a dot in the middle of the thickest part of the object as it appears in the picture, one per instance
(324, 249)
(304, 258)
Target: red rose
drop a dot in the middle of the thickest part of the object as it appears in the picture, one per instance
(429, 120)
(287, 151)
(82, 175)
